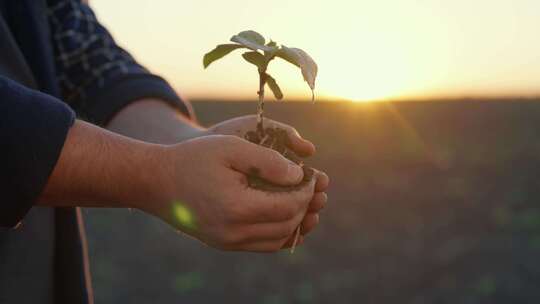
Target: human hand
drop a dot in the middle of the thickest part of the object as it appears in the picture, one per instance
(317, 203)
(240, 125)
(203, 191)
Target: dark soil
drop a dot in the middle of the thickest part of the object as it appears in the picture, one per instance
(276, 139)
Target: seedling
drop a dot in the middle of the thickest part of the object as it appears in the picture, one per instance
(261, 54)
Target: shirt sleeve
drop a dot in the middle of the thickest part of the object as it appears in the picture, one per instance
(33, 129)
(96, 76)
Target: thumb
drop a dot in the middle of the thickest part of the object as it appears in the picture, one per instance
(247, 157)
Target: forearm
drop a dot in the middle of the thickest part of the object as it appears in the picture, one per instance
(154, 121)
(98, 168)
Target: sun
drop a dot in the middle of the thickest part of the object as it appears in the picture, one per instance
(366, 69)
(362, 90)
(363, 97)
(366, 81)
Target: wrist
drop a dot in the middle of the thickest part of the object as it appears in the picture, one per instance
(98, 168)
(148, 182)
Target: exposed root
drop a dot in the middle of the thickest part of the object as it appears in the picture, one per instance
(296, 237)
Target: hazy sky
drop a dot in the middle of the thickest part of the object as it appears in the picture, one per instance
(365, 49)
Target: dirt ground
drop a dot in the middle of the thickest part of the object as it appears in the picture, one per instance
(430, 202)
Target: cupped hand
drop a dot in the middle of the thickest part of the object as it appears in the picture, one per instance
(239, 126)
(204, 193)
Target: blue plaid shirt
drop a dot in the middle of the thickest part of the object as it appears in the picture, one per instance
(56, 61)
(56, 57)
(89, 65)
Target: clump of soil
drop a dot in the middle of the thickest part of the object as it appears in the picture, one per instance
(278, 140)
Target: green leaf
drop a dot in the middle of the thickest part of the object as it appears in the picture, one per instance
(272, 84)
(253, 36)
(251, 40)
(302, 60)
(272, 53)
(255, 58)
(271, 44)
(219, 52)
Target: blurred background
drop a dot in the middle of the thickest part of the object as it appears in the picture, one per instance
(427, 122)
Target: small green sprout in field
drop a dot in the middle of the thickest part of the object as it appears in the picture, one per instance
(260, 55)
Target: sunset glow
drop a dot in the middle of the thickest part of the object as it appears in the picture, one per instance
(366, 50)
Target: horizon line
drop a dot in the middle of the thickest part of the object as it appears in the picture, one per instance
(418, 99)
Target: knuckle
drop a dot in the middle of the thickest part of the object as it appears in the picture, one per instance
(275, 246)
(279, 165)
(236, 213)
(302, 199)
(273, 155)
(286, 230)
(324, 197)
(315, 206)
(316, 219)
(324, 176)
(312, 220)
(284, 241)
(288, 212)
(230, 238)
(323, 180)
(228, 247)
(319, 201)
(291, 228)
(310, 223)
(224, 236)
(265, 249)
(306, 194)
(231, 140)
(237, 208)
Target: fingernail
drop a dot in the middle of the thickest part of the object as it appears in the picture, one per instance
(295, 172)
(309, 143)
(312, 145)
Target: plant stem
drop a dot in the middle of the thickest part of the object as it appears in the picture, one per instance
(260, 109)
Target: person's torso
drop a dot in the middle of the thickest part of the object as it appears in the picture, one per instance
(30, 256)
(26, 253)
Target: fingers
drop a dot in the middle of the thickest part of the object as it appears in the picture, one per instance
(265, 246)
(308, 224)
(320, 197)
(322, 181)
(268, 231)
(265, 207)
(310, 221)
(249, 158)
(269, 236)
(246, 234)
(299, 145)
(318, 202)
(257, 206)
(266, 221)
(290, 242)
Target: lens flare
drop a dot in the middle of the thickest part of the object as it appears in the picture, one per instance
(183, 215)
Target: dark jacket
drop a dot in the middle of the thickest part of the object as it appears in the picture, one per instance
(56, 63)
